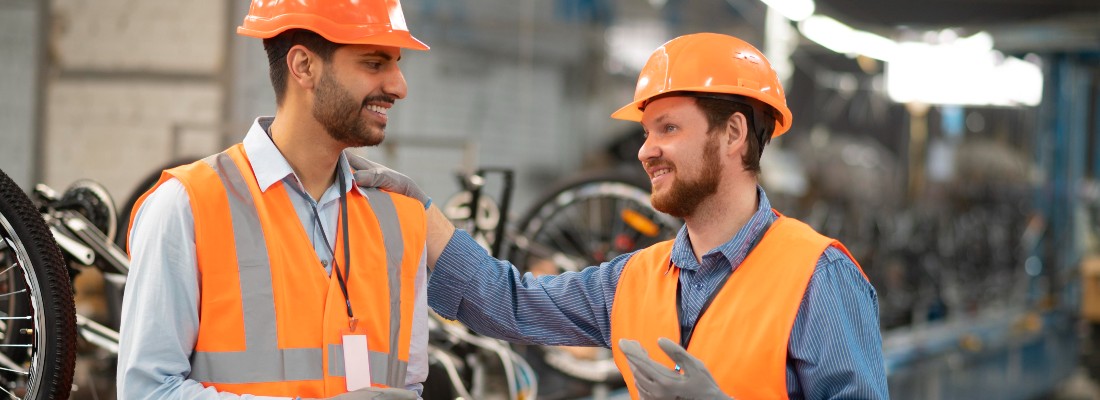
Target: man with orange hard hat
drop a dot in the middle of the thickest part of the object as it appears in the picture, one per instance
(263, 271)
(745, 303)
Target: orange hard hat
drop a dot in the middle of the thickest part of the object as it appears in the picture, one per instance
(709, 63)
(379, 22)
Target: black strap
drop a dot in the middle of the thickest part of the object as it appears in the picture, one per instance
(347, 254)
(686, 332)
(347, 246)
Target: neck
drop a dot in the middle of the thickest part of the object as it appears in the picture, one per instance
(311, 151)
(721, 216)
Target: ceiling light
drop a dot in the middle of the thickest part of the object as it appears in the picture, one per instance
(794, 10)
(836, 36)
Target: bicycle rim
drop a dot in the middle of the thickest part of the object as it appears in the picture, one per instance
(37, 321)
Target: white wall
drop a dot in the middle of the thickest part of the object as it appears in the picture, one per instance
(126, 74)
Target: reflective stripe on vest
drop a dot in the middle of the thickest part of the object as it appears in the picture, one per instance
(742, 337)
(263, 360)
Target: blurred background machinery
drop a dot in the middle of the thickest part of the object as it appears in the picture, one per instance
(954, 146)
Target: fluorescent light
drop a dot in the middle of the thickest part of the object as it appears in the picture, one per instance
(965, 72)
(794, 10)
(841, 38)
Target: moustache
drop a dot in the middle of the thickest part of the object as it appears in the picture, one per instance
(657, 162)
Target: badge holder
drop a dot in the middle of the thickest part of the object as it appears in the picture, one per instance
(356, 356)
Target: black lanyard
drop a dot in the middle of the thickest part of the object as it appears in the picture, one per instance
(347, 252)
(687, 331)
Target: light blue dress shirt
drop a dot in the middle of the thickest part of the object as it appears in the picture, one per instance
(834, 350)
(160, 311)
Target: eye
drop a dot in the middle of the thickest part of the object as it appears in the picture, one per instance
(645, 134)
(373, 65)
(670, 128)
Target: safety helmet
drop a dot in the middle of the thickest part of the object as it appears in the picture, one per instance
(709, 63)
(379, 22)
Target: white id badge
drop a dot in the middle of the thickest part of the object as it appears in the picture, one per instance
(356, 361)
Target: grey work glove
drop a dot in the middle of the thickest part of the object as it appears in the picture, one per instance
(371, 174)
(655, 381)
(373, 393)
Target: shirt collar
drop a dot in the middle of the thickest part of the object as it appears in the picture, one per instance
(737, 248)
(269, 165)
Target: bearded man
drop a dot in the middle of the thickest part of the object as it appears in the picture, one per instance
(263, 272)
(745, 303)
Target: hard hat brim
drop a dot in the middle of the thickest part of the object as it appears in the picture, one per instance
(633, 110)
(376, 34)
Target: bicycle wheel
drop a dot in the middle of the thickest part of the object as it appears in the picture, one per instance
(37, 316)
(589, 220)
(585, 221)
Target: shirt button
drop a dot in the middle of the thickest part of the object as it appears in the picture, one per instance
(324, 263)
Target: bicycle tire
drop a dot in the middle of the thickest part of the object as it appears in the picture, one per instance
(596, 199)
(50, 355)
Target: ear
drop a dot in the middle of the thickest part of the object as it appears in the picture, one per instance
(304, 67)
(736, 134)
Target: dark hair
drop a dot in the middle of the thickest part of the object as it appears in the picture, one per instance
(278, 46)
(761, 123)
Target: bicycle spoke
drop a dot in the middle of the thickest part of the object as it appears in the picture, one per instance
(9, 393)
(576, 222)
(562, 235)
(595, 218)
(11, 293)
(11, 365)
(579, 236)
(9, 268)
(24, 373)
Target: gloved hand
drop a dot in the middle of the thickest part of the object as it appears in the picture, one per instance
(655, 381)
(373, 393)
(372, 174)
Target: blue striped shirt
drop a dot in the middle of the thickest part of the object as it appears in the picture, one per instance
(835, 347)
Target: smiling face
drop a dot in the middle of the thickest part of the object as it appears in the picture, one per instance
(355, 92)
(680, 156)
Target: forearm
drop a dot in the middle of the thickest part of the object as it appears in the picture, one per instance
(440, 230)
(493, 298)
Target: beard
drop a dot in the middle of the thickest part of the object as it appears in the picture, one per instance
(684, 197)
(341, 115)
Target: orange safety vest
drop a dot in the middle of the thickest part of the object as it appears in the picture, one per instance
(742, 337)
(270, 320)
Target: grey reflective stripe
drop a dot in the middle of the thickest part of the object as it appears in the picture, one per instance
(382, 205)
(253, 366)
(379, 365)
(262, 361)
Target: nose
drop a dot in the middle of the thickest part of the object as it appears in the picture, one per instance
(395, 84)
(649, 150)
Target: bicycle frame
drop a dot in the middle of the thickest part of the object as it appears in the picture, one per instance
(84, 244)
